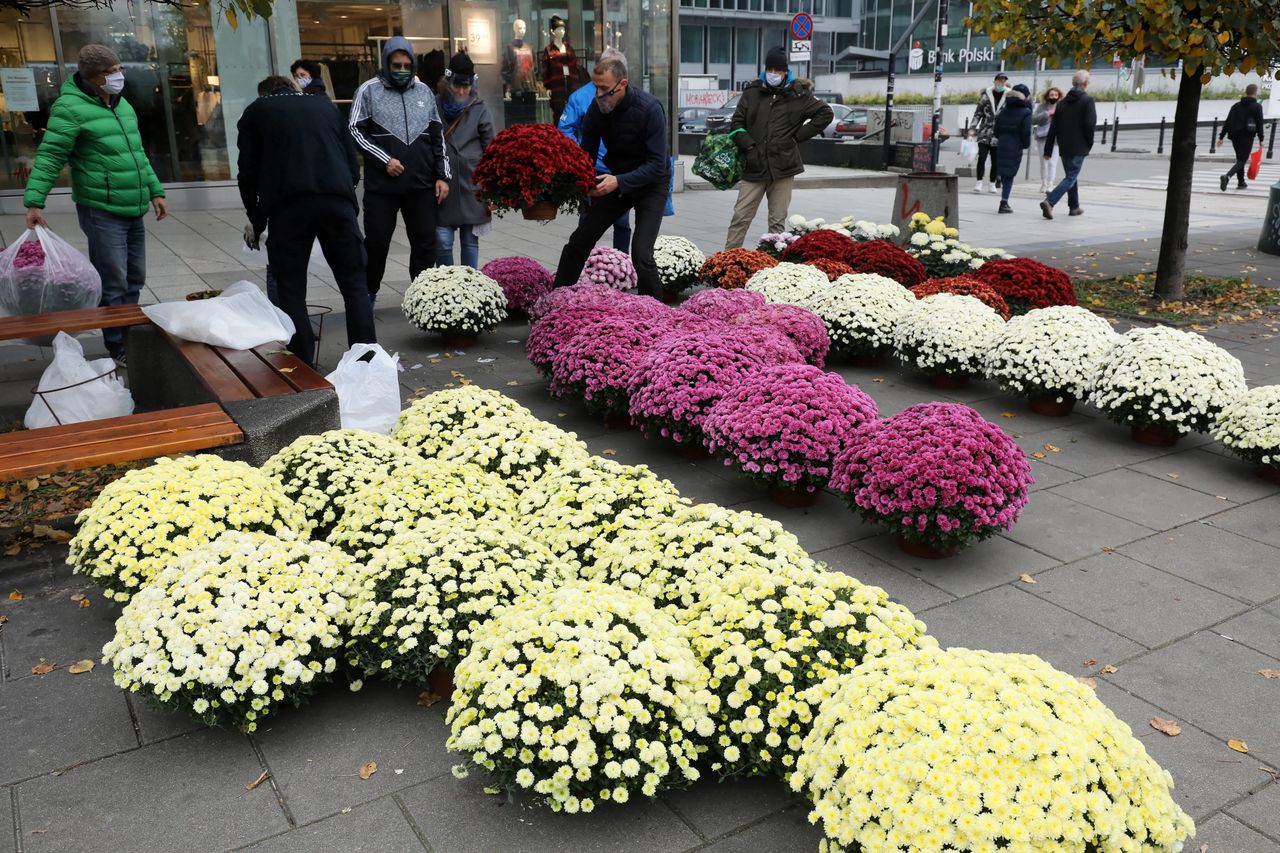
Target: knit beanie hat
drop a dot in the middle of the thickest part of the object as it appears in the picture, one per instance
(462, 70)
(776, 59)
(95, 59)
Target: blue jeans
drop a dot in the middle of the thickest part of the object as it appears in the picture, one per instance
(1067, 186)
(622, 233)
(469, 252)
(1006, 186)
(118, 251)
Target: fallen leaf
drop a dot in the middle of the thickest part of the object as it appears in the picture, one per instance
(368, 770)
(33, 484)
(1221, 497)
(79, 596)
(84, 602)
(1238, 745)
(512, 384)
(47, 532)
(43, 668)
(3, 619)
(1008, 415)
(262, 777)
(80, 667)
(1107, 549)
(1269, 673)
(426, 698)
(15, 596)
(609, 451)
(1272, 772)
(562, 414)
(878, 381)
(1039, 455)
(493, 792)
(1108, 669)
(1026, 578)
(1168, 727)
(1087, 682)
(285, 369)
(13, 550)
(1052, 449)
(1090, 662)
(1172, 476)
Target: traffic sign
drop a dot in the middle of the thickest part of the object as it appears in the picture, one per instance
(801, 51)
(802, 26)
(1116, 61)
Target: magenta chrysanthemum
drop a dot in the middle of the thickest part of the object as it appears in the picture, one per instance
(608, 266)
(771, 345)
(574, 294)
(556, 328)
(787, 423)
(523, 280)
(718, 304)
(597, 367)
(936, 473)
(804, 328)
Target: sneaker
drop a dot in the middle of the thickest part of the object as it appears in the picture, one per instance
(977, 187)
(1044, 189)
(995, 189)
(1004, 207)
(1046, 209)
(1243, 185)
(1076, 211)
(1222, 182)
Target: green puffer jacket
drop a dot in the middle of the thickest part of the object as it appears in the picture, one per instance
(109, 169)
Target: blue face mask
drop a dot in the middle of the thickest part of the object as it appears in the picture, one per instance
(401, 78)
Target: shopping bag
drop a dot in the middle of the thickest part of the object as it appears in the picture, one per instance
(368, 384)
(239, 318)
(90, 390)
(719, 162)
(1255, 163)
(969, 149)
(670, 209)
(41, 272)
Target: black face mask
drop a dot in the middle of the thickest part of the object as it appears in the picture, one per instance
(1053, 100)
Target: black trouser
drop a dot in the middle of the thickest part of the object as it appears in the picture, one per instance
(419, 210)
(1243, 144)
(649, 203)
(291, 229)
(985, 148)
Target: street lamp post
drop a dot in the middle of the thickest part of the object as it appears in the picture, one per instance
(935, 141)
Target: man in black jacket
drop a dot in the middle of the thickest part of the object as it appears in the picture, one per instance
(406, 168)
(1072, 131)
(775, 114)
(633, 128)
(1243, 123)
(297, 176)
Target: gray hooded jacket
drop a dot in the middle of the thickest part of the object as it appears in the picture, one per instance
(389, 121)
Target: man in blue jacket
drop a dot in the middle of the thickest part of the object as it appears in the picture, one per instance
(632, 126)
(575, 110)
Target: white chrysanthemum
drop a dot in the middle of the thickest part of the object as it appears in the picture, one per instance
(796, 284)
(454, 300)
(861, 312)
(1056, 351)
(1250, 426)
(679, 261)
(946, 333)
(439, 419)
(1167, 377)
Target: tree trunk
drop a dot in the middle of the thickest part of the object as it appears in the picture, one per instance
(1171, 270)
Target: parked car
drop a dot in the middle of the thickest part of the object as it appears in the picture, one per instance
(853, 124)
(694, 119)
(717, 121)
(839, 112)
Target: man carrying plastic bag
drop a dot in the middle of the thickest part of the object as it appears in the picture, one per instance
(112, 183)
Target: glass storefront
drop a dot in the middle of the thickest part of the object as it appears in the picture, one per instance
(189, 78)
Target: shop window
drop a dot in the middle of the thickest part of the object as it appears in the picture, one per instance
(748, 51)
(719, 45)
(691, 44)
(26, 47)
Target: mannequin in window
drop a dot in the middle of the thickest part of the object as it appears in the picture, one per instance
(518, 81)
(559, 68)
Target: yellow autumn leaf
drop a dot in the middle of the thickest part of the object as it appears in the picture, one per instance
(1238, 745)
(81, 667)
(1224, 37)
(368, 770)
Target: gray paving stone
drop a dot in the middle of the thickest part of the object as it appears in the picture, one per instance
(377, 827)
(1186, 756)
(1024, 421)
(1133, 599)
(1047, 476)
(1256, 520)
(1261, 811)
(59, 720)
(1214, 683)
(1011, 620)
(824, 525)
(1069, 530)
(47, 625)
(315, 752)
(983, 565)
(902, 586)
(157, 724)
(1215, 558)
(1156, 503)
(717, 808)
(1208, 472)
(456, 816)
(1222, 834)
(789, 831)
(7, 825)
(1259, 629)
(1091, 447)
(183, 794)
(699, 485)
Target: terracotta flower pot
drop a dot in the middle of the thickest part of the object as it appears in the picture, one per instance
(793, 497)
(459, 339)
(1270, 473)
(868, 360)
(618, 421)
(441, 682)
(1052, 405)
(1155, 435)
(693, 452)
(948, 381)
(924, 550)
(541, 211)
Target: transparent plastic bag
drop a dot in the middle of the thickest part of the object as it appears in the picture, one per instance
(367, 380)
(50, 276)
(89, 392)
(238, 318)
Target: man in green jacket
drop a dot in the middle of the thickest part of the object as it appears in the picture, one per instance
(775, 114)
(112, 182)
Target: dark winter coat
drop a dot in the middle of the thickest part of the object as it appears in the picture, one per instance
(1012, 134)
(775, 120)
(990, 103)
(390, 122)
(465, 141)
(1243, 112)
(635, 139)
(1072, 127)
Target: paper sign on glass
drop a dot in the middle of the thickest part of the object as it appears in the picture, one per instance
(19, 86)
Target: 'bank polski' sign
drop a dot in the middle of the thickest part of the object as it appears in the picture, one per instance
(951, 57)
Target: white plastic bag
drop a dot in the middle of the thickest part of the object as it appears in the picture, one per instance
(64, 281)
(238, 318)
(99, 397)
(368, 389)
(969, 149)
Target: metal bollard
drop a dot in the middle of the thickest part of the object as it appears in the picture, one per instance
(1160, 143)
(1271, 145)
(1105, 124)
(1269, 239)
(1115, 135)
(1213, 137)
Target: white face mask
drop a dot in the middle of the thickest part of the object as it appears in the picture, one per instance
(303, 81)
(115, 83)
(774, 79)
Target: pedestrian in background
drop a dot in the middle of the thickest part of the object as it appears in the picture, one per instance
(1243, 123)
(990, 102)
(1071, 130)
(575, 109)
(1040, 129)
(1013, 137)
(297, 176)
(395, 122)
(468, 130)
(307, 74)
(775, 114)
(112, 183)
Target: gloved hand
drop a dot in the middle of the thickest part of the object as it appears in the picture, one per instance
(252, 237)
